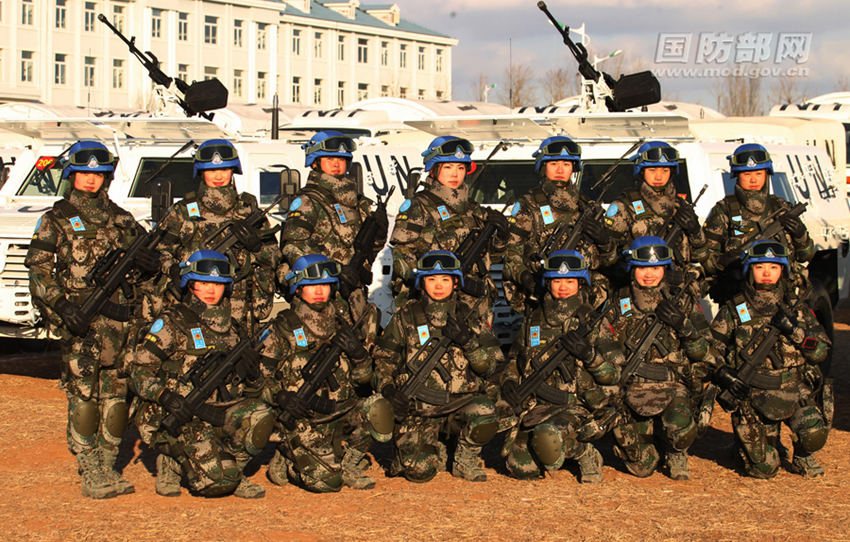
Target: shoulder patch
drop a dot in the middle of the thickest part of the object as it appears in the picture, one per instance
(405, 205)
(516, 208)
(192, 209)
(296, 203)
(534, 336)
(37, 225)
(613, 209)
(157, 325)
(743, 312)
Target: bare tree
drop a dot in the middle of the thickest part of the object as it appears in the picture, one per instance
(476, 89)
(786, 90)
(518, 87)
(558, 84)
(739, 95)
(842, 83)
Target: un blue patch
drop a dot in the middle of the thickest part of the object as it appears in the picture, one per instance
(546, 212)
(534, 336)
(340, 214)
(638, 205)
(198, 338)
(613, 209)
(625, 305)
(300, 337)
(743, 313)
(77, 223)
(444, 213)
(296, 203)
(424, 333)
(157, 325)
(515, 209)
(192, 209)
(405, 205)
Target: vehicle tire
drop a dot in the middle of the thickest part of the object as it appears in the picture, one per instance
(822, 307)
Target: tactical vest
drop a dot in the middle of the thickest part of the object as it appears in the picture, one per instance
(651, 367)
(441, 216)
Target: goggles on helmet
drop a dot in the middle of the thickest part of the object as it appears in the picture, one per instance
(318, 270)
(766, 250)
(430, 262)
(84, 157)
(564, 262)
(450, 148)
(207, 154)
(749, 158)
(208, 267)
(558, 148)
(659, 154)
(332, 144)
(650, 254)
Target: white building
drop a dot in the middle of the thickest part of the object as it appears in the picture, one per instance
(315, 54)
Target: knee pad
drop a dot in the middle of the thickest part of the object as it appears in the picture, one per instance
(753, 439)
(419, 464)
(115, 420)
(481, 430)
(764, 469)
(547, 442)
(379, 418)
(812, 439)
(221, 477)
(85, 417)
(646, 461)
(809, 428)
(259, 432)
(679, 424)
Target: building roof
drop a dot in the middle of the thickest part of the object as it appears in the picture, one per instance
(319, 11)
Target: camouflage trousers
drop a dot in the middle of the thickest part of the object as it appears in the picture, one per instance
(544, 445)
(212, 458)
(420, 453)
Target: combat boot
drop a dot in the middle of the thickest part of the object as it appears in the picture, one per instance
(278, 467)
(95, 484)
(806, 466)
(354, 464)
(467, 464)
(167, 476)
(108, 458)
(590, 465)
(677, 462)
(246, 488)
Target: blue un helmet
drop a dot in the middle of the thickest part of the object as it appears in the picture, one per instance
(328, 143)
(750, 157)
(656, 154)
(89, 157)
(448, 149)
(206, 266)
(437, 262)
(565, 264)
(313, 269)
(557, 148)
(216, 154)
(766, 250)
(648, 251)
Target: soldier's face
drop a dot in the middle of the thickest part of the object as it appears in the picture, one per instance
(315, 293)
(656, 177)
(333, 165)
(88, 182)
(208, 292)
(649, 277)
(752, 180)
(559, 170)
(217, 177)
(563, 288)
(439, 287)
(767, 272)
(451, 174)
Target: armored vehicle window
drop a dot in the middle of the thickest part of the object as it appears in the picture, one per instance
(622, 179)
(779, 186)
(43, 182)
(504, 180)
(269, 186)
(179, 171)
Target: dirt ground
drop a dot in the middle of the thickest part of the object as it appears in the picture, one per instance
(40, 492)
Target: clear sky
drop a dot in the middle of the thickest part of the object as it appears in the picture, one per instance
(744, 29)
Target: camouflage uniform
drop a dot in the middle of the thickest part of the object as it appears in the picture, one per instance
(528, 446)
(326, 450)
(470, 412)
(786, 384)
(212, 458)
(68, 240)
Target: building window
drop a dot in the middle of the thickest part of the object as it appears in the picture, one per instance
(237, 33)
(421, 94)
(261, 85)
(26, 12)
(61, 15)
(237, 83)
(59, 68)
(183, 26)
(420, 59)
(210, 30)
(210, 72)
(385, 53)
(385, 91)
(88, 71)
(26, 66)
(118, 17)
(262, 30)
(340, 94)
(402, 56)
(183, 71)
(340, 49)
(317, 91)
(439, 94)
(318, 37)
(439, 61)
(117, 73)
(402, 92)
(156, 23)
(89, 17)
(362, 50)
(296, 90)
(362, 91)
(296, 42)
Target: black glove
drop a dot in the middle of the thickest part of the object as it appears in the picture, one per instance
(597, 231)
(176, 405)
(148, 260)
(686, 218)
(247, 236)
(365, 275)
(668, 313)
(527, 282)
(349, 280)
(784, 321)
(72, 317)
(321, 405)
(511, 395)
(457, 331)
(793, 225)
(577, 345)
(399, 401)
(501, 222)
(473, 287)
(383, 225)
(348, 342)
(289, 402)
(728, 258)
(674, 277)
(727, 378)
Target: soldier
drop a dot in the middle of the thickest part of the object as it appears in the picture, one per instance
(652, 207)
(329, 212)
(453, 398)
(192, 221)
(664, 372)
(211, 457)
(552, 416)
(772, 344)
(79, 230)
(326, 431)
(442, 216)
(741, 216)
(556, 203)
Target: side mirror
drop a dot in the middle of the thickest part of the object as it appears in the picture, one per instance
(413, 178)
(160, 198)
(356, 173)
(290, 182)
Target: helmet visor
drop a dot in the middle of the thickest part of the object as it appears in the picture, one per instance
(84, 157)
(653, 254)
(430, 262)
(212, 268)
(453, 147)
(332, 144)
(207, 154)
(769, 249)
(749, 158)
(561, 148)
(564, 263)
(660, 154)
(318, 270)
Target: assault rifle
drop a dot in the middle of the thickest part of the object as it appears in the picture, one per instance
(471, 253)
(753, 355)
(250, 222)
(672, 229)
(500, 146)
(364, 242)
(773, 227)
(214, 372)
(198, 98)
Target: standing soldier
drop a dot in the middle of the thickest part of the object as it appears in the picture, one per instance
(554, 207)
(193, 331)
(315, 357)
(740, 218)
(192, 222)
(772, 345)
(432, 363)
(328, 214)
(667, 358)
(69, 240)
(552, 415)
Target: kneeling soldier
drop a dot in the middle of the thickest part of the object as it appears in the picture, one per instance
(316, 359)
(772, 345)
(210, 445)
(432, 362)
